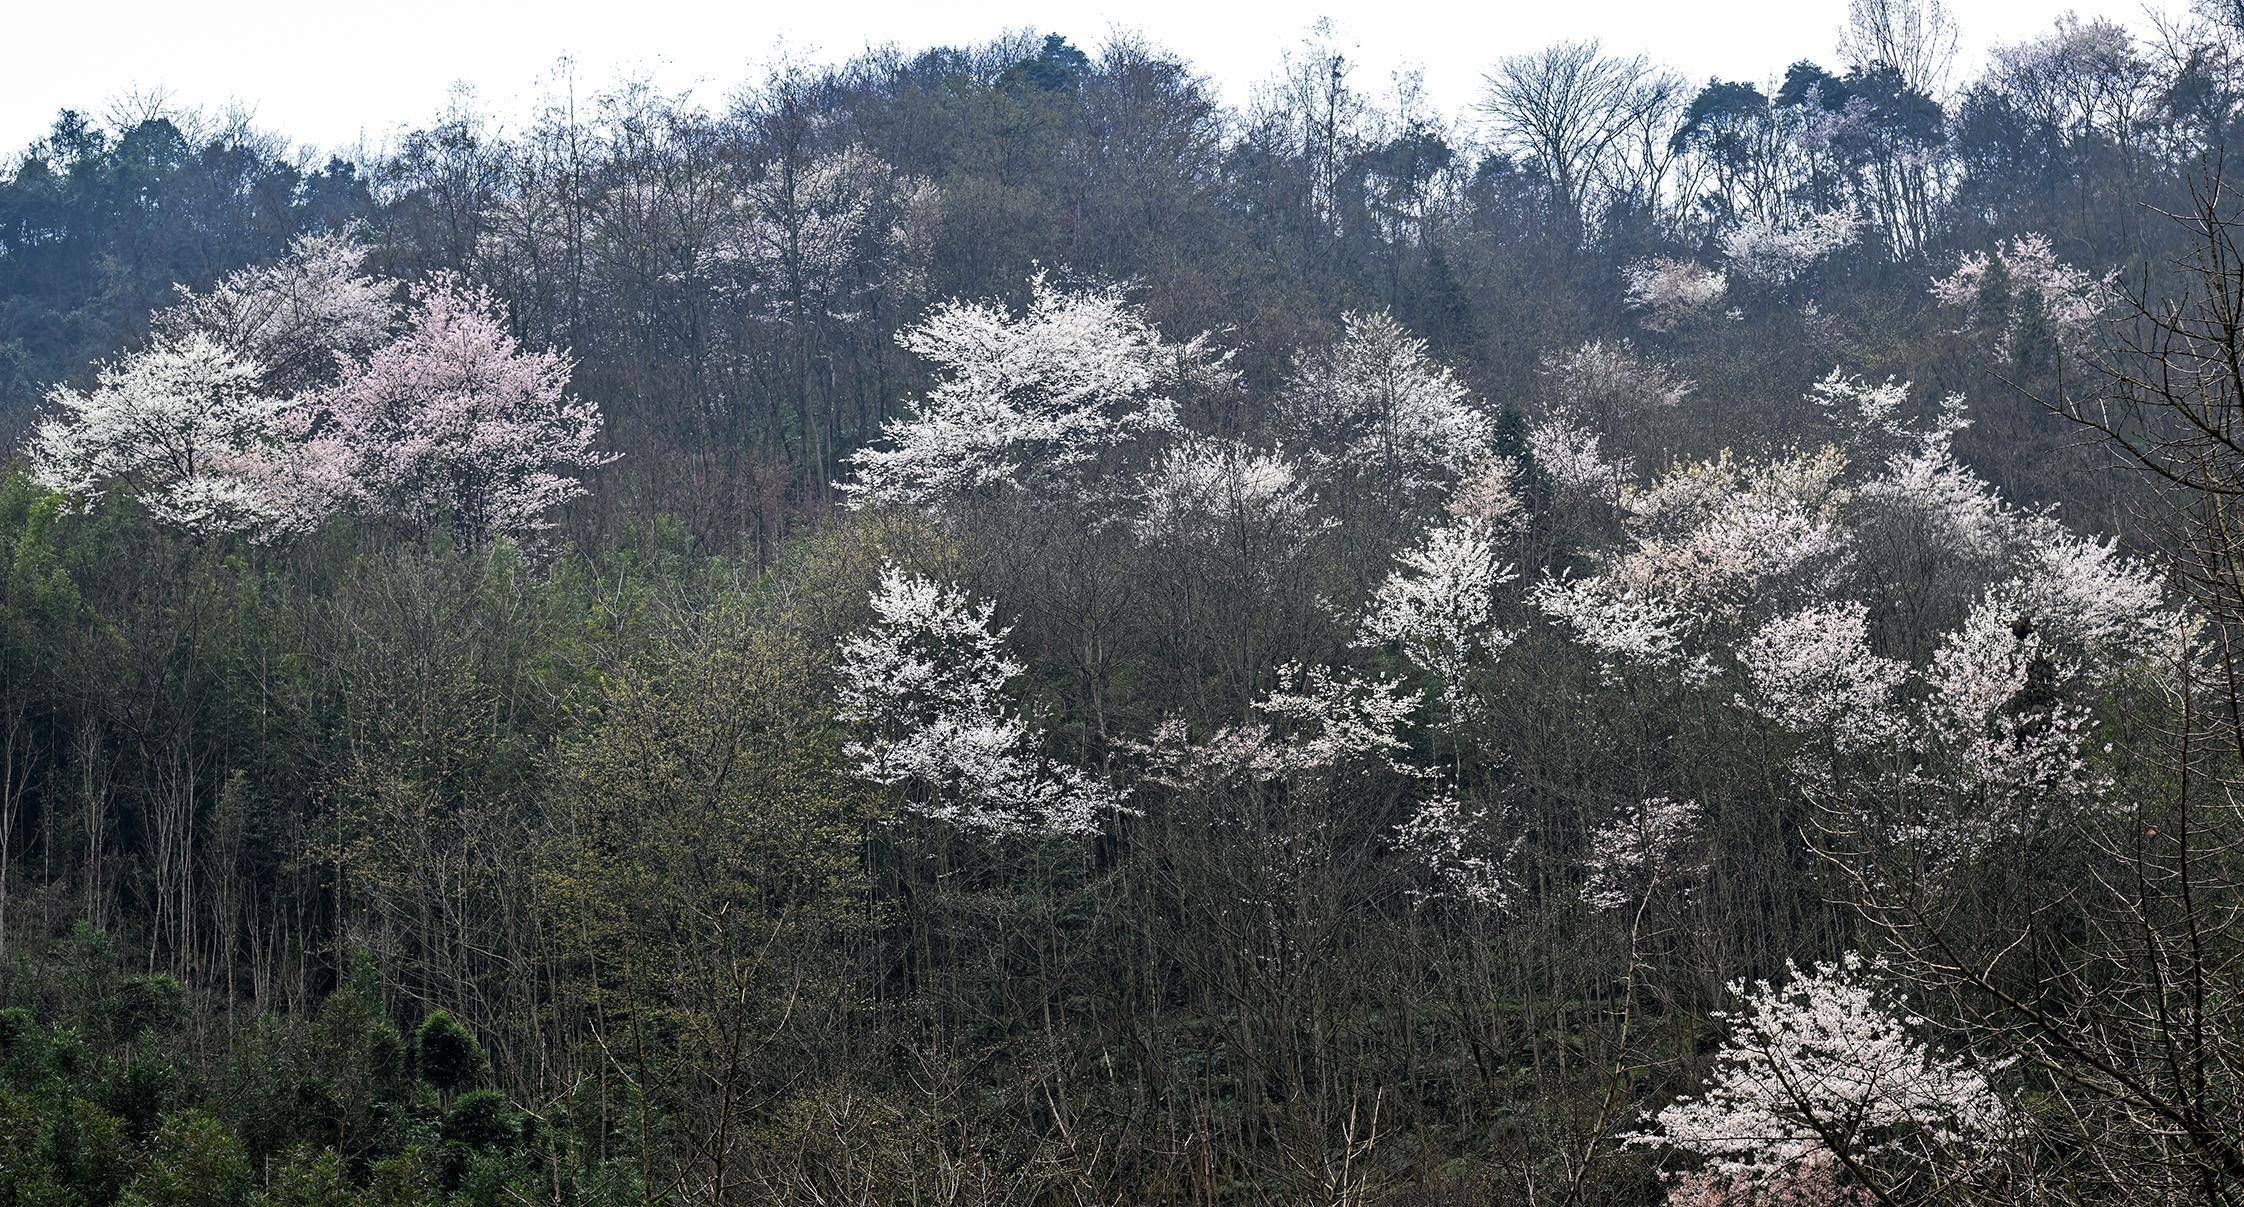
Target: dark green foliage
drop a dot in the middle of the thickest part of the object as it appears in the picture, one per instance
(445, 1055)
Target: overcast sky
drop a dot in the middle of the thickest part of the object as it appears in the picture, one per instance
(328, 75)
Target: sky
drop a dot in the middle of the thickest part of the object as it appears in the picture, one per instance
(334, 84)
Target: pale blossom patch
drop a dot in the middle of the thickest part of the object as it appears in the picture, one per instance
(455, 424)
(1028, 402)
(926, 684)
(1813, 673)
(1651, 844)
(186, 427)
(1211, 491)
(1832, 1055)
(1669, 290)
(2022, 280)
(1775, 250)
(1376, 407)
(1627, 630)
(1439, 607)
(1572, 456)
(1450, 842)
(1613, 380)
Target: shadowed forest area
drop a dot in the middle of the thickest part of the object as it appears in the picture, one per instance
(975, 626)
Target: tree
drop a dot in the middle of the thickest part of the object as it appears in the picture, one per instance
(1916, 38)
(1826, 1070)
(446, 1055)
(926, 683)
(186, 428)
(453, 424)
(1571, 108)
(1030, 402)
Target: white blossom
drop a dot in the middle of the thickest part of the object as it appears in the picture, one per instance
(1376, 405)
(927, 683)
(1776, 250)
(185, 427)
(1830, 1063)
(1645, 845)
(1813, 673)
(2025, 278)
(1223, 492)
(1612, 380)
(1626, 629)
(1334, 716)
(297, 319)
(1027, 401)
(1439, 606)
(1449, 840)
(1490, 497)
(1572, 456)
(1670, 290)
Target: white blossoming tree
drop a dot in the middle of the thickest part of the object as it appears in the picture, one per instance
(1031, 402)
(1776, 250)
(1377, 409)
(927, 686)
(2022, 286)
(1831, 1067)
(1670, 292)
(186, 427)
(298, 319)
(1438, 606)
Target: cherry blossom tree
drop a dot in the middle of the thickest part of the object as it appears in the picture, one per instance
(1642, 849)
(1375, 407)
(817, 236)
(1439, 607)
(186, 427)
(1207, 490)
(2021, 285)
(454, 424)
(1670, 291)
(1831, 1067)
(1030, 402)
(1775, 250)
(927, 686)
(1612, 381)
(298, 319)
(1453, 843)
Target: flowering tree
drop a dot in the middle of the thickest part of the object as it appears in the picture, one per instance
(185, 427)
(927, 685)
(1829, 1067)
(1775, 251)
(1439, 607)
(1222, 492)
(816, 237)
(1451, 842)
(1375, 407)
(1640, 850)
(454, 424)
(1029, 402)
(1670, 291)
(2022, 286)
(298, 319)
(1813, 673)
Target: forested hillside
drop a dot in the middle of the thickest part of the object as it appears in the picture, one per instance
(977, 626)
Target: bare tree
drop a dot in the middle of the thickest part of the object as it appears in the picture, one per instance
(1914, 37)
(1572, 109)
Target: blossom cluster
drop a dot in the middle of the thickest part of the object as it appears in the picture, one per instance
(1831, 1062)
(926, 684)
(289, 393)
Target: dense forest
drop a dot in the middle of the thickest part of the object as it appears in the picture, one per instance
(977, 626)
